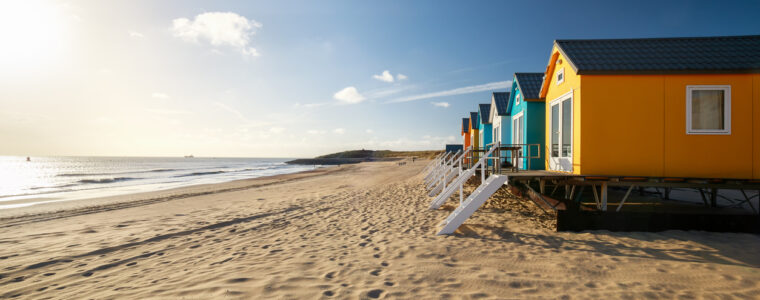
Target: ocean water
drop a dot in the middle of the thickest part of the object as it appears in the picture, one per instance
(55, 179)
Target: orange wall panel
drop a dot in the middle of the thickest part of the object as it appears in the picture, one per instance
(756, 125)
(719, 156)
(623, 125)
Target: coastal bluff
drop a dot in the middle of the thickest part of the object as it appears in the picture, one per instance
(357, 156)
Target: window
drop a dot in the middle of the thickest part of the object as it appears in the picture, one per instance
(555, 131)
(708, 109)
(517, 99)
(561, 76)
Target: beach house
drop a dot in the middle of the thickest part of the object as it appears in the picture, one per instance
(466, 132)
(499, 118)
(662, 107)
(528, 116)
(474, 133)
(486, 130)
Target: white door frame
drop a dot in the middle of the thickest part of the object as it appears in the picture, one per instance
(560, 163)
(516, 134)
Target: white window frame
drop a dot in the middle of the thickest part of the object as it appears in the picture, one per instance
(726, 112)
(561, 72)
(517, 99)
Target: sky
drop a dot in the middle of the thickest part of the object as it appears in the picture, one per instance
(289, 78)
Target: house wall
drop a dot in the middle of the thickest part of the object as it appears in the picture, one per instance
(721, 156)
(756, 125)
(486, 134)
(623, 125)
(572, 82)
(535, 120)
(635, 125)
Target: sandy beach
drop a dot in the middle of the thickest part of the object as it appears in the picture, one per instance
(356, 231)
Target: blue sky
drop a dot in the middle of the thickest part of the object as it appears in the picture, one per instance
(290, 78)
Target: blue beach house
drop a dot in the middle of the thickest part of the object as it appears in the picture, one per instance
(486, 130)
(527, 114)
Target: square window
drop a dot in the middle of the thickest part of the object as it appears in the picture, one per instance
(708, 109)
(561, 76)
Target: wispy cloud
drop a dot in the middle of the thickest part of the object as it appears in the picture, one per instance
(160, 96)
(349, 95)
(219, 29)
(314, 131)
(310, 105)
(400, 77)
(135, 34)
(161, 111)
(440, 104)
(339, 131)
(457, 91)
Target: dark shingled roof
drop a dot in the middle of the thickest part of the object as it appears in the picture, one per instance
(485, 111)
(721, 54)
(465, 125)
(454, 147)
(529, 84)
(474, 120)
(501, 99)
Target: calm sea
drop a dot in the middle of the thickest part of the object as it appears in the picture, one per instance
(54, 179)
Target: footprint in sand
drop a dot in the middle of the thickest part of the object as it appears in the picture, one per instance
(389, 283)
(375, 272)
(375, 293)
(330, 275)
(328, 293)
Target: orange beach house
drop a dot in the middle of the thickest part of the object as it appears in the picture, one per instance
(661, 107)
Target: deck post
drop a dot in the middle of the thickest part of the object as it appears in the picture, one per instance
(714, 197)
(572, 192)
(604, 196)
(596, 196)
(625, 197)
(542, 185)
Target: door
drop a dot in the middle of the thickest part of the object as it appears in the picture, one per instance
(561, 124)
(518, 136)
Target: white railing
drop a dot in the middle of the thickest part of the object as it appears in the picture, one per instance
(460, 180)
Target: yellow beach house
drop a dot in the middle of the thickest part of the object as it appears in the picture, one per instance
(659, 107)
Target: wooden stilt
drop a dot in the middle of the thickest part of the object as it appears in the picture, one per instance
(604, 196)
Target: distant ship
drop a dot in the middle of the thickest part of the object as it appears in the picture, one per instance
(189, 156)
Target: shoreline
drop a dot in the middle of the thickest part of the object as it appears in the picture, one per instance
(118, 201)
(359, 231)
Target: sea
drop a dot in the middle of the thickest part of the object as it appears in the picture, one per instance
(53, 179)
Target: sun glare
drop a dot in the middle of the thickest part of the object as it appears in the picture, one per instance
(32, 33)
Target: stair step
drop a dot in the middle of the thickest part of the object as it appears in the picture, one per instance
(467, 208)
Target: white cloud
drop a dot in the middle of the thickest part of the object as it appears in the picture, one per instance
(349, 95)
(312, 131)
(276, 130)
(160, 96)
(457, 91)
(339, 131)
(309, 105)
(400, 77)
(369, 131)
(135, 34)
(385, 76)
(440, 104)
(220, 29)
